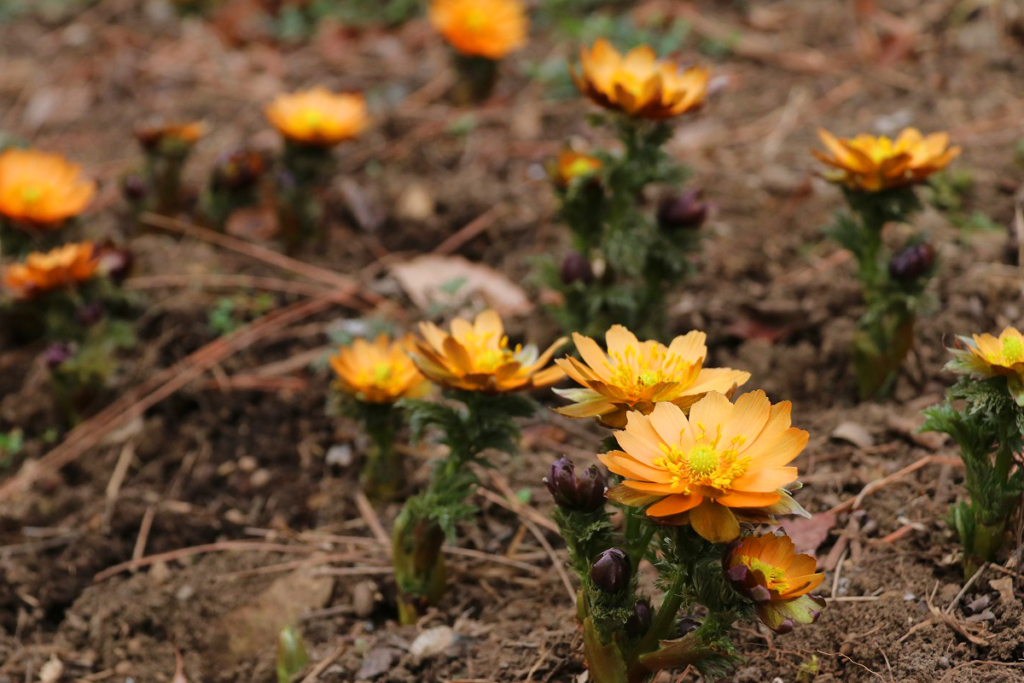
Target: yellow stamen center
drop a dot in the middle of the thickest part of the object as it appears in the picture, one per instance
(31, 194)
(1013, 350)
(475, 19)
(382, 373)
(312, 118)
(488, 354)
(635, 373)
(706, 464)
(775, 577)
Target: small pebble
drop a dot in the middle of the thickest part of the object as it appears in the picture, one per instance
(247, 463)
(260, 478)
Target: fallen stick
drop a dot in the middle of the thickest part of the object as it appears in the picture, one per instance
(218, 281)
(346, 285)
(871, 487)
(221, 547)
(159, 387)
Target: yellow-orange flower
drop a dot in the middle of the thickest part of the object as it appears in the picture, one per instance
(378, 372)
(161, 134)
(779, 581)
(476, 357)
(481, 28)
(571, 165)
(987, 356)
(722, 464)
(638, 83)
(872, 164)
(42, 189)
(65, 266)
(318, 117)
(636, 375)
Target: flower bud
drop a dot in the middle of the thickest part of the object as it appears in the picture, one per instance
(237, 170)
(134, 187)
(912, 262)
(684, 211)
(688, 624)
(56, 354)
(640, 621)
(89, 314)
(575, 267)
(584, 493)
(611, 571)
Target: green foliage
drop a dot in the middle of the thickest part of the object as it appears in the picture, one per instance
(46, 10)
(232, 312)
(635, 261)
(480, 423)
(987, 429)
(291, 654)
(950, 192)
(11, 445)
(885, 333)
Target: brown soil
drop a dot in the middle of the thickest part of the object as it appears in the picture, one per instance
(221, 466)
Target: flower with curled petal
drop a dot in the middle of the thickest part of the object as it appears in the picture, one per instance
(380, 371)
(481, 28)
(779, 581)
(872, 164)
(318, 117)
(66, 266)
(476, 356)
(639, 84)
(636, 375)
(722, 464)
(984, 355)
(41, 189)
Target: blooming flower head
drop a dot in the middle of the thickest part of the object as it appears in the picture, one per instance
(378, 372)
(768, 571)
(66, 266)
(41, 189)
(984, 355)
(721, 464)
(168, 137)
(636, 375)
(476, 357)
(638, 83)
(873, 164)
(572, 165)
(481, 28)
(318, 117)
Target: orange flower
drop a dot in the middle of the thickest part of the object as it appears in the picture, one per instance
(378, 372)
(639, 84)
(476, 357)
(722, 464)
(480, 28)
(65, 266)
(162, 136)
(636, 375)
(572, 165)
(318, 117)
(872, 164)
(41, 189)
(768, 571)
(988, 356)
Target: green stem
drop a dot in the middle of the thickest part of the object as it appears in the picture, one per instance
(383, 474)
(664, 621)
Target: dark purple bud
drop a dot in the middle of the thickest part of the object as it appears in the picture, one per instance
(134, 187)
(575, 267)
(55, 354)
(89, 314)
(584, 493)
(115, 262)
(688, 624)
(912, 262)
(640, 621)
(684, 211)
(611, 571)
(237, 170)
